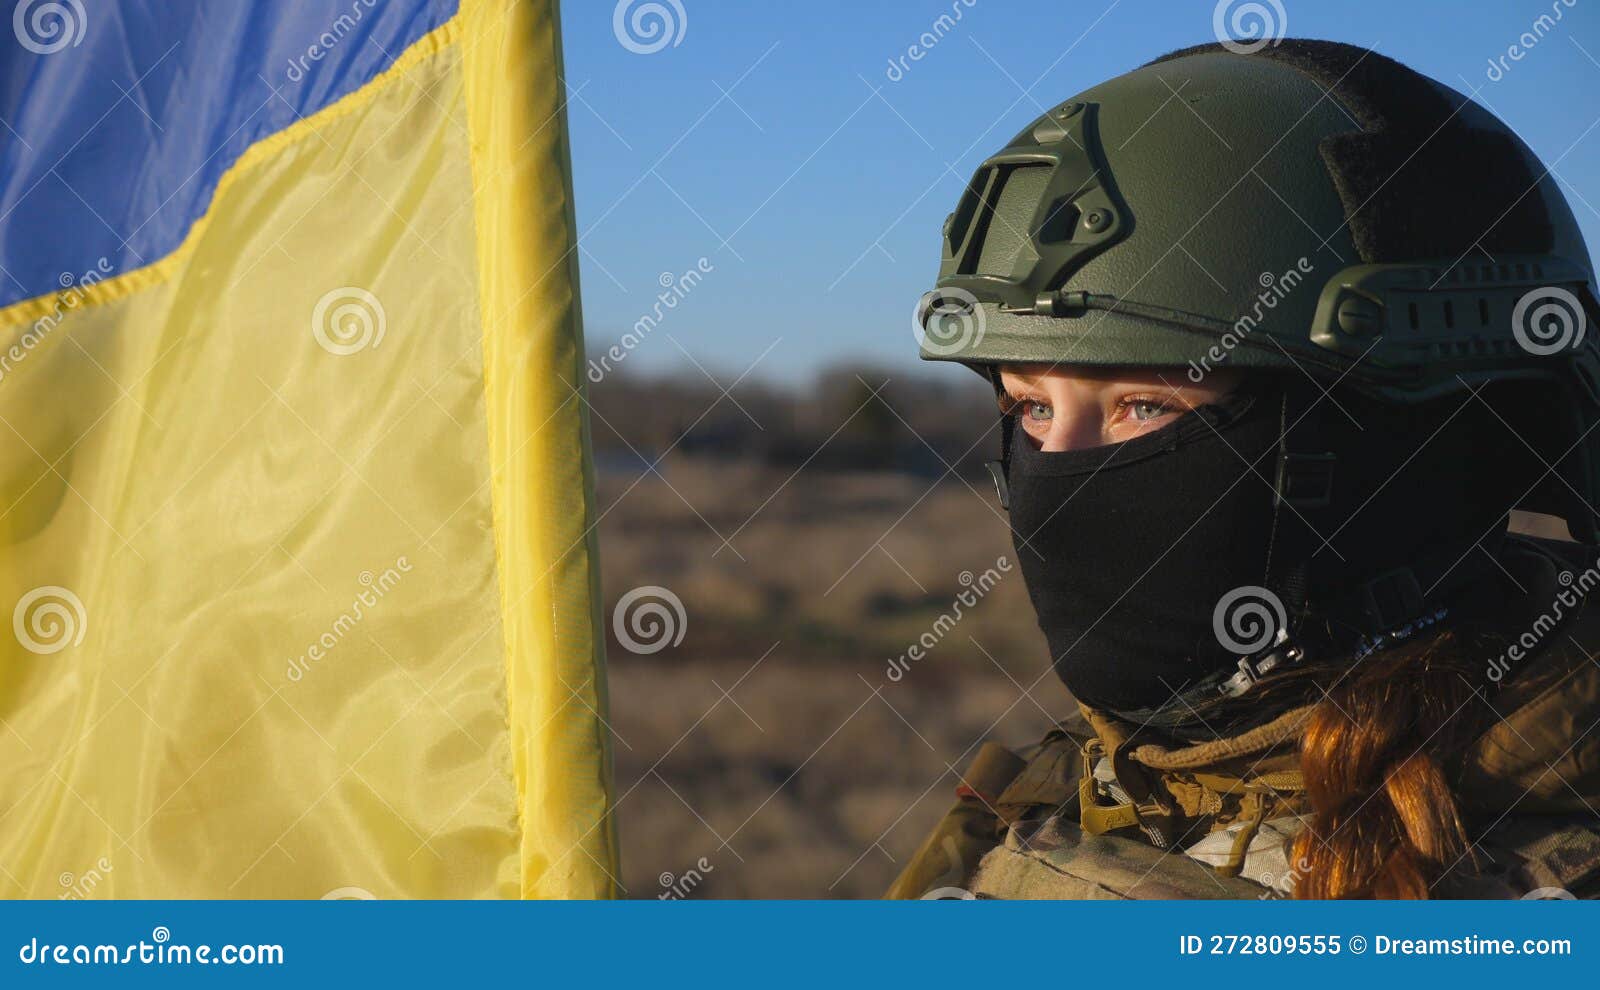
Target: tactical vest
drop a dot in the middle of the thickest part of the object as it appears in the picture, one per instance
(1058, 824)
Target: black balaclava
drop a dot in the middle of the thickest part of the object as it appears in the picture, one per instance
(1150, 561)
(1126, 549)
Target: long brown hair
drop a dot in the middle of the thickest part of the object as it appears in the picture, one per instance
(1386, 822)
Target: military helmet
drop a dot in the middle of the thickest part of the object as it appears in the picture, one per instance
(1310, 207)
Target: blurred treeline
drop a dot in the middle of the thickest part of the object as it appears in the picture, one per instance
(846, 419)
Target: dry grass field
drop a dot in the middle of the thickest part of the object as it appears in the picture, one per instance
(770, 744)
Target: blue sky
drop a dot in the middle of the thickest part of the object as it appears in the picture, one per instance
(758, 143)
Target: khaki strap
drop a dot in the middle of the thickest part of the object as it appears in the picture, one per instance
(1285, 727)
(1286, 781)
(1256, 803)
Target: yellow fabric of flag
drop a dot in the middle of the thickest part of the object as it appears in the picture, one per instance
(296, 521)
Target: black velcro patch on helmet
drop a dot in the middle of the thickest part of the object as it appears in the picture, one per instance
(1442, 199)
(1416, 181)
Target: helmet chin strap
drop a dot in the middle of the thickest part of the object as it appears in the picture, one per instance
(1302, 483)
(1375, 612)
(999, 471)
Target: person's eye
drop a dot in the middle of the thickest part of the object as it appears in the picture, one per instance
(1146, 410)
(1038, 411)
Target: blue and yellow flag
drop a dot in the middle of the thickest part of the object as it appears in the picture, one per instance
(295, 508)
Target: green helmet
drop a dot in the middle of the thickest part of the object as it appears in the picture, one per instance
(1311, 207)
